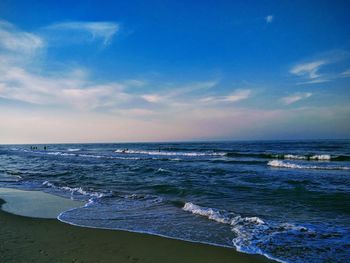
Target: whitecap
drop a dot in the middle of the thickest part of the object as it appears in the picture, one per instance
(321, 157)
(166, 153)
(75, 190)
(283, 164)
(73, 150)
(208, 212)
(294, 157)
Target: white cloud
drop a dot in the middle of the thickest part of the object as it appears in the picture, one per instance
(269, 19)
(308, 70)
(237, 95)
(173, 95)
(13, 39)
(346, 73)
(295, 97)
(75, 90)
(71, 88)
(21, 79)
(152, 98)
(77, 30)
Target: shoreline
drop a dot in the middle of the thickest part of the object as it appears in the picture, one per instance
(24, 239)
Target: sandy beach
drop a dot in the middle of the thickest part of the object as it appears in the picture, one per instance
(25, 239)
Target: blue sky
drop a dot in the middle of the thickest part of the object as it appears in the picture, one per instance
(108, 71)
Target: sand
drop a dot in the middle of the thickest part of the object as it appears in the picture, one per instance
(27, 239)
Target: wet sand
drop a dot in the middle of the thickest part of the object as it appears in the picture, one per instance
(26, 239)
(35, 203)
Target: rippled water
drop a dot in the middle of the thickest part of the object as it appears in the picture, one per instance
(286, 200)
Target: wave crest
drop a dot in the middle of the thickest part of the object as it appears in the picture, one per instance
(283, 164)
(210, 213)
(190, 154)
(75, 190)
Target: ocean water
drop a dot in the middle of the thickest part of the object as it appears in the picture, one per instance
(287, 200)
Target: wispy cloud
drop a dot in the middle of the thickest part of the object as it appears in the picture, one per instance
(295, 97)
(269, 19)
(321, 69)
(309, 70)
(172, 95)
(237, 95)
(74, 89)
(13, 39)
(69, 89)
(79, 30)
(345, 73)
(22, 80)
(153, 98)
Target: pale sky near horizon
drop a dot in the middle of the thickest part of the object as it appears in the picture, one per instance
(110, 71)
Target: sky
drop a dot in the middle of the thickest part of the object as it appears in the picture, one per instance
(131, 71)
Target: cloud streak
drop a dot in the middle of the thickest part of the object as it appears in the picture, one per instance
(345, 73)
(237, 95)
(309, 70)
(76, 31)
(68, 89)
(15, 40)
(319, 70)
(295, 98)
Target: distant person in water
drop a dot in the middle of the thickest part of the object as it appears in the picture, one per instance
(124, 150)
(45, 148)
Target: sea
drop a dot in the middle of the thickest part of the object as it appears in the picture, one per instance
(286, 200)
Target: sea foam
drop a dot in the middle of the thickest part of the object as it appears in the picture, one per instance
(210, 213)
(167, 153)
(75, 190)
(73, 150)
(283, 164)
(320, 157)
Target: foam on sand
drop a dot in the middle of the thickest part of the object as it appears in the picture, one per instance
(35, 203)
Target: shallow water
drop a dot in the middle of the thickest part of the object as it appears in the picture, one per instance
(35, 203)
(287, 200)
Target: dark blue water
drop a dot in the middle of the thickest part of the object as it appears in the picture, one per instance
(287, 200)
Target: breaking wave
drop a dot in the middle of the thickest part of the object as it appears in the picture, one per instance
(124, 151)
(307, 157)
(73, 150)
(75, 190)
(254, 235)
(283, 164)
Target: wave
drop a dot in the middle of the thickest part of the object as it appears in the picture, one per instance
(286, 156)
(76, 190)
(60, 153)
(162, 170)
(308, 157)
(321, 157)
(282, 164)
(73, 149)
(167, 153)
(254, 235)
(245, 229)
(219, 215)
(235, 161)
(88, 155)
(210, 213)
